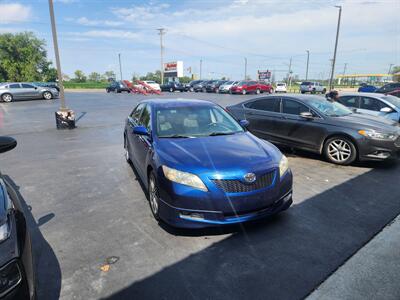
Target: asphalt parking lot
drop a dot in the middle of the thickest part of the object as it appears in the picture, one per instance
(87, 209)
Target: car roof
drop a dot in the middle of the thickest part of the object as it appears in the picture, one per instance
(365, 94)
(177, 102)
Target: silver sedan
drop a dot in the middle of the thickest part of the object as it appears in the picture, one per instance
(18, 91)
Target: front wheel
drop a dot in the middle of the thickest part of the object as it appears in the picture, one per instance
(323, 91)
(340, 151)
(126, 148)
(153, 196)
(244, 92)
(7, 97)
(171, 90)
(258, 91)
(47, 95)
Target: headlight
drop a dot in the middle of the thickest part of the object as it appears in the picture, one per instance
(5, 231)
(184, 178)
(376, 135)
(283, 165)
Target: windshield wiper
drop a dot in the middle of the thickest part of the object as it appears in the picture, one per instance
(221, 133)
(176, 136)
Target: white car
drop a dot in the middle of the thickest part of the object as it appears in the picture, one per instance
(281, 87)
(153, 84)
(226, 87)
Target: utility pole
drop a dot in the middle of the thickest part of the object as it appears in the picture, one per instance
(336, 44)
(290, 74)
(308, 61)
(161, 32)
(201, 66)
(390, 68)
(120, 68)
(245, 68)
(57, 55)
(344, 71)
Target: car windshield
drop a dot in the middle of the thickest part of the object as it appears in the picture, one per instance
(194, 121)
(392, 99)
(331, 109)
(229, 82)
(306, 83)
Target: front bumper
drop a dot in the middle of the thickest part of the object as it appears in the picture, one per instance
(378, 150)
(182, 208)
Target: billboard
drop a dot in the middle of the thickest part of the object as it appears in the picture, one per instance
(264, 75)
(173, 69)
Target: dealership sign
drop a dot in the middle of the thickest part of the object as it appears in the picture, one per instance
(264, 75)
(173, 69)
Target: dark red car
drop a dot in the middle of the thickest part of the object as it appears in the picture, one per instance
(246, 87)
(394, 93)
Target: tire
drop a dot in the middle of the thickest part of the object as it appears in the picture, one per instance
(340, 150)
(107, 90)
(191, 89)
(313, 91)
(244, 92)
(119, 91)
(323, 91)
(303, 92)
(7, 98)
(153, 196)
(126, 147)
(47, 95)
(171, 90)
(258, 91)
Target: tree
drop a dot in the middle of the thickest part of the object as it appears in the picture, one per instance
(79, 76)
(94, 76)
(395, 70)
(23, 58)
(109, 76)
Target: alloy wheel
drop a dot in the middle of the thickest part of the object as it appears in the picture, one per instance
(153, 195)
(7, 97)
(47, 95)
(339, 150)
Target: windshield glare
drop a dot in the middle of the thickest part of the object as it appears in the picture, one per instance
(188, 121)
(331, 109)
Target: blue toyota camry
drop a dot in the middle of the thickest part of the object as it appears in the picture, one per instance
(203, 168)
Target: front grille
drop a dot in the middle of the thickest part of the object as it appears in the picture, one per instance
(397, 142)
(238, 186)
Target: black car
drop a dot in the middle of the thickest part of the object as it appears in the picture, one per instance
(213, 85)
(201, 86)
(190, 85)
(16, 263)
(117, 87)
(172, 86)
(52, 85)
(315, 124)
(387, 88)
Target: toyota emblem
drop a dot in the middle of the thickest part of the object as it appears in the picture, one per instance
(250, 177)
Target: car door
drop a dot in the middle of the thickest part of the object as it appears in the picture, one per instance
(29, 91)
(141, 143)
(252, 86)
(16, 91)
(371, 106)
(132, 122)
(262, 115)
(350, 101)
(297, 131)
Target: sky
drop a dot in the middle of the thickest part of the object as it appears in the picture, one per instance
(221, 33)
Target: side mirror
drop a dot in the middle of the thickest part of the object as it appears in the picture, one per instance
(386, 110)
(307, 115)
(140, 130)
(353, 109)
(244, 123)
(7, 143)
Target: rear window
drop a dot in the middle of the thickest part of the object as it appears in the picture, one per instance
(280, 84)
(268, 104)
(150, 81)
(306, 83)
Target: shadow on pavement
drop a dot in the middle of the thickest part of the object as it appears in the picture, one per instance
(285, 257)
(48, 271)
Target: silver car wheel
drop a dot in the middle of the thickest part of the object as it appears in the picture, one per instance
(47, 95)
(7, 97)
(153, 193)
(339, 151)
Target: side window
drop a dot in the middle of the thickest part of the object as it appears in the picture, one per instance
(15, 86)
(27, 86)
(265, 104)
(372, 104)
(145, 117)
(349, 101)
(137, 111)
(292, 107)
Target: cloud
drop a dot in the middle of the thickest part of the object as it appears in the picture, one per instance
(14, 13)
(87, 22)
(114, 34)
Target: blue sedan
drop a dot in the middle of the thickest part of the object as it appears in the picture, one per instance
(201, 167)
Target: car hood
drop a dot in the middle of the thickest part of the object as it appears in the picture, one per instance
(241, 151)
(370, 122)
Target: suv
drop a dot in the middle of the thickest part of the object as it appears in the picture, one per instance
(387, 88)
(173, 86)
(312, 87)
(117, 87)
(245, 87)
(17, 91)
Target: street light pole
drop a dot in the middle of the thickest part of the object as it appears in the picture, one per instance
(390, 68)
(161, 33)
(57, 55)
(336, 44)
(245, 68)
(308, 61)
(201, 66)
(120, 67)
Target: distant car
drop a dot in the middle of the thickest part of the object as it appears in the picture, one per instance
(53, 85)
(117, 87)
(201, 86)
(387, 88)
(281, 87)
(314, 124)
(153, 84)
(17, 270)
(213, 86)
(225, 87)
(250, 86)
(172, 86)
(395, 93)
(202, 168)
(312, 87)
(367, 88)
(19, 91)
(190, 85)
(382, 105)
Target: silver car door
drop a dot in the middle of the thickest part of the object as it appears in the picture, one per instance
(16, 91)
(30, 91)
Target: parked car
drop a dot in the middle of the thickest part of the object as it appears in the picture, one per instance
(312, 87)
(246, 87)
(213, 86)
(153, 84)
(225, 87)
(53, 85)
(314, 124)
(281, 87)
(387, 88)
(367, 88)
(395, 93)
(201, 86)
(16, 263)
(10, 91)
(117, 87)
(172, 86)
(190, 85)
(202, 168)
(382, 105)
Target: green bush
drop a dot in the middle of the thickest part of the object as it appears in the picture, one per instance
(85, 85)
